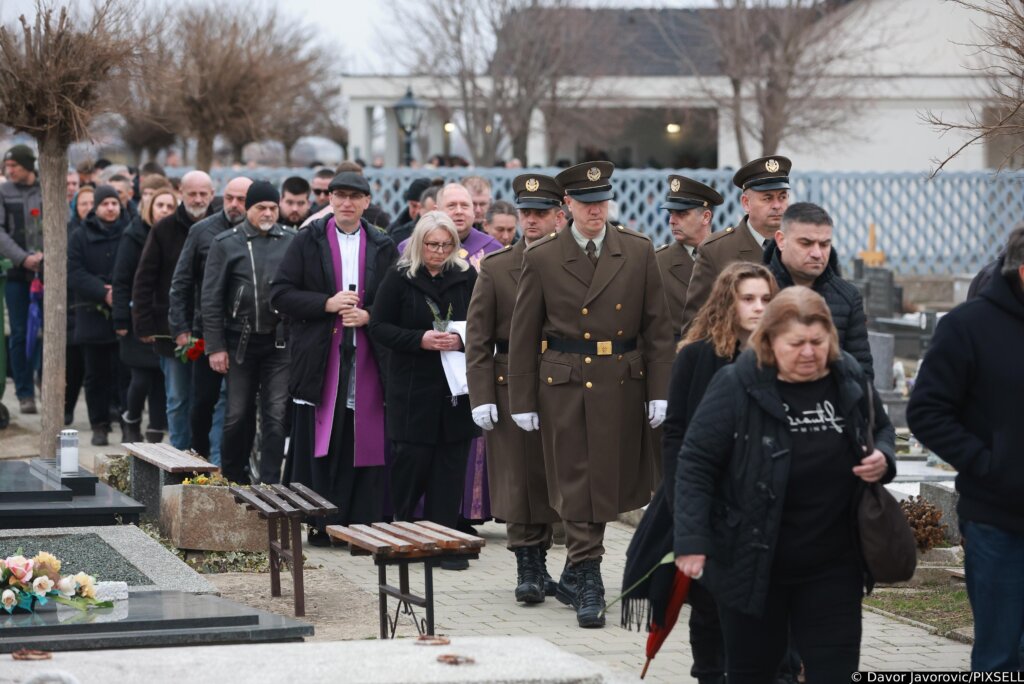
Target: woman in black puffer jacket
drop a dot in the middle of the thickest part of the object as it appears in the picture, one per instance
(768, 476)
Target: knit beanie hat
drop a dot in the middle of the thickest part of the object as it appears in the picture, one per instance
(104, 192)
(261, 191)
(23, 156)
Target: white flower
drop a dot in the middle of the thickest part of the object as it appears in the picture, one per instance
(42, 585)
(67, 586)
(8, 599)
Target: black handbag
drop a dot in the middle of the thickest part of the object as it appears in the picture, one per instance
(886, 540)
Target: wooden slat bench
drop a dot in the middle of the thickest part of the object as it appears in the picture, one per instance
(403, 544)
(155, 465)
(285, 508)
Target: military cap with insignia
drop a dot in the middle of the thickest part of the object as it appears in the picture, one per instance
(534, 191)
(588, 182)
(685, 193)
(764, 174)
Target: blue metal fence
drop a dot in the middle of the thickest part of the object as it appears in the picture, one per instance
(951, 224)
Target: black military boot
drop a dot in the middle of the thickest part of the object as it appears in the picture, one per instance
(549, 583)
(530, 583)
(565, 592)
(589, 594)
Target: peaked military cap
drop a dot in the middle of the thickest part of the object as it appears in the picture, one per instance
(685, 193)
(764, 174)
(534, 191)
(588, 182)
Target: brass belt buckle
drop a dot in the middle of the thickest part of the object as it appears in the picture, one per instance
(604, 348)
(543, 346)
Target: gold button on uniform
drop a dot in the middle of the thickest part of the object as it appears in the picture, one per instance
(619, 357)
(587, 360)
(550, 380)
(585, 311)
(586, 336)
(619, 333)
(501, 378)
(590, 385)
(618, 307)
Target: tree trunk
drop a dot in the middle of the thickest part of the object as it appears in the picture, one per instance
(287, 153)
(237, 152)
(737, 120)
(204, 151)
(53, 166)
(519, 144)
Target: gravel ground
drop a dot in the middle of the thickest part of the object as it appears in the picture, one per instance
(79, 553)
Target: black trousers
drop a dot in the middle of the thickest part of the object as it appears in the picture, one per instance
(206, 384)
(705, 636)
(822, 615)
(264, 370)
(147, 383)
(74, 376)
(101, 381)
(436, 471)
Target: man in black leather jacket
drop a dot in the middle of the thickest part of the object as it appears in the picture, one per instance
(245, 338)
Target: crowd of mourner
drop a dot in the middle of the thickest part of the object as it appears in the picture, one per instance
(538, 364)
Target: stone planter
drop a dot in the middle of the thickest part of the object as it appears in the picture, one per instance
(206, 518)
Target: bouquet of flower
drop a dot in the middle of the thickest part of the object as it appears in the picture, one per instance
(440, 324)
(193, 351)
(30, 581)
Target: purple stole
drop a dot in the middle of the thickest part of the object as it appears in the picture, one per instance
(368, 421)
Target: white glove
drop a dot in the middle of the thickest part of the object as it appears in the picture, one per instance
(656, 411)
(485, 416)
(527, 421)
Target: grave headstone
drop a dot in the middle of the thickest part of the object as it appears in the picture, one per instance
(880, 298)
(883, 347)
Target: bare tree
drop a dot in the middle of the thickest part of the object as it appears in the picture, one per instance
(233, 66)
(146, 103)
(1001, 53)
(781, 69)
(52, 69)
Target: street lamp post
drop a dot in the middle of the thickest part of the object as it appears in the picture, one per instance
(409, 112)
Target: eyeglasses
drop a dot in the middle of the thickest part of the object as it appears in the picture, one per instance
(347, 196)
(321, 192)
(439, 246)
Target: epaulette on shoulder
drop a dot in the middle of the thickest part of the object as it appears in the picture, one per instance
(719, 235)
(662, 248)
(627, 231)
(503, 250)
(550, 237)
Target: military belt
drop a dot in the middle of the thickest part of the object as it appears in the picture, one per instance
(597, 348)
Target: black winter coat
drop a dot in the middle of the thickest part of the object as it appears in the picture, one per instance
(304, 283)
(966, 403)
(91, 254)
(153, 278)
(185, 299)
(734, 468)
(133, 352)
(419, 403)
(692, 371)
(843, 299)
(401, 228)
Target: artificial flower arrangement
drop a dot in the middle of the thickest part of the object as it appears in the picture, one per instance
(27, 582)
(214, 479)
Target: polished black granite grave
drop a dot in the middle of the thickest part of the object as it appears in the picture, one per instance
(147, 619)
(35, 494)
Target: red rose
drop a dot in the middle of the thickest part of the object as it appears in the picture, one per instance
(34, 213)
(193, 354)
(200, 345)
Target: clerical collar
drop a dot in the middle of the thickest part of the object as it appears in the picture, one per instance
(342, 233)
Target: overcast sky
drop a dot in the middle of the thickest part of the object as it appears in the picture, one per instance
(357, 27)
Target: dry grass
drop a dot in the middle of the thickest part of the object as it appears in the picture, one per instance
(944, 607)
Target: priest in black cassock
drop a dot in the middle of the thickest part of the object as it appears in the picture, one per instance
(325, 288)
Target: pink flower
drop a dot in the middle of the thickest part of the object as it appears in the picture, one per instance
(9, 599)
(42, 585)
(20, 567)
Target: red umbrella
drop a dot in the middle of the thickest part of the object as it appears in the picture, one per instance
(658, 633)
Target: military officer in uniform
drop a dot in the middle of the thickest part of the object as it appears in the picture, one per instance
(765, 186)
(593, 296)
(515, 459)
(690, 207)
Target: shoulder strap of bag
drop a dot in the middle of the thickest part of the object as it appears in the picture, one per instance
(869, 438)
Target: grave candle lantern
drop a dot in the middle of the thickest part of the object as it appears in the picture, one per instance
(69, 452)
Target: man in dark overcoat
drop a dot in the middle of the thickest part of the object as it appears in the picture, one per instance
(515, 459)
(593, 297)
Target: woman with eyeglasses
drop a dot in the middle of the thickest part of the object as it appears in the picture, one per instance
(430, 430)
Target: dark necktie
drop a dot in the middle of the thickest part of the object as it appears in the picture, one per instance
(592, 252)
(765, 243)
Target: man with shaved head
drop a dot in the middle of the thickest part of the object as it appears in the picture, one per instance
(455, 200)
(150, 297)
(185, 316)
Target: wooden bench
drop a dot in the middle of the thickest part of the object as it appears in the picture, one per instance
(285, 508)
(155, 465)
(403, 544)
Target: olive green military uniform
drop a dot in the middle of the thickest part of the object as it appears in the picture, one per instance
(733, 244)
